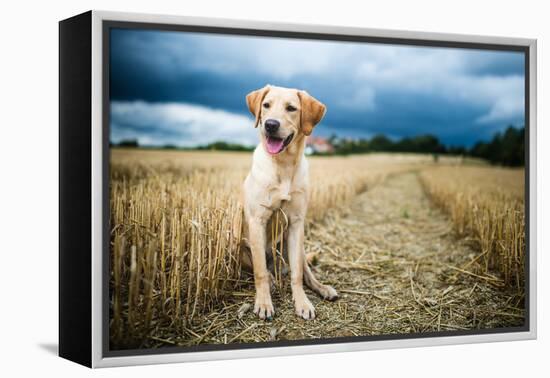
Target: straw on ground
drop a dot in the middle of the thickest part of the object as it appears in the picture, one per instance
(176, 277)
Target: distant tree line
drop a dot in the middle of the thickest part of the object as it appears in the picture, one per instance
(506, 148)
(224, 146)
(381, 143)
(215, 146)
(128, 143)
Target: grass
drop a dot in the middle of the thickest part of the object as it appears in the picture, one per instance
(487, 204)
(175, 236)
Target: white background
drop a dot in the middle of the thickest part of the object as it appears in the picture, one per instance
(29, 190)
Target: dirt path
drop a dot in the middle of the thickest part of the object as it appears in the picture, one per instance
(394, 260)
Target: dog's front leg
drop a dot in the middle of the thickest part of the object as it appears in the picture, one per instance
(263, 306)
(303, 306)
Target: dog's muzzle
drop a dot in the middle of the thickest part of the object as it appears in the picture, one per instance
(275, 145)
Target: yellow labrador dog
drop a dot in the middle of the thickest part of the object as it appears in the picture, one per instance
(278, 179)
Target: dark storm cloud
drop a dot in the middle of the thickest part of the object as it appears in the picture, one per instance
(456, 94)
(489, 63)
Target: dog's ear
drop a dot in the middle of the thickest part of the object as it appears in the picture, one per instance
(254, 101)
(312, 111)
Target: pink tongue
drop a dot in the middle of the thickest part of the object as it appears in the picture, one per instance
(274, 146)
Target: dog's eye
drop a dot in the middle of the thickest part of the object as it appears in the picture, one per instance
(290, 108)
(266, 105)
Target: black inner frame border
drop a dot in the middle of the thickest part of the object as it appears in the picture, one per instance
(107, 25)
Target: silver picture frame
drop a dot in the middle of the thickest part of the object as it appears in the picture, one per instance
(99, 357)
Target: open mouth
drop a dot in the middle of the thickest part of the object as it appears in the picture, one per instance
(275, 145)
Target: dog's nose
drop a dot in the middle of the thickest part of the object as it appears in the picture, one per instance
(272, 125)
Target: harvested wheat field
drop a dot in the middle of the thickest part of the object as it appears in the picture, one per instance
(410, 244)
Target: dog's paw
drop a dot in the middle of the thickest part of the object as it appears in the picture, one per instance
(264, 308)
(328, 293)
(305, 309)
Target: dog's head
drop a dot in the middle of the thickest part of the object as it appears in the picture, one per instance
(283, 114)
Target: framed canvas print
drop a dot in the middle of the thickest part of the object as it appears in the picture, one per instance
(232, 189)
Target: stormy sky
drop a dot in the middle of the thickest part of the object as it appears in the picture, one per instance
(186, 89)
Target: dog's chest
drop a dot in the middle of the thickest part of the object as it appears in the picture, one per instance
(279, 193)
